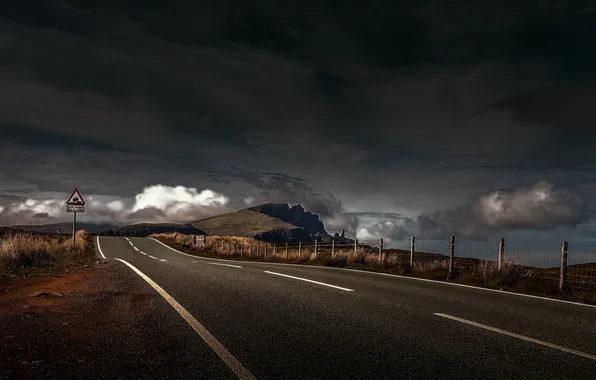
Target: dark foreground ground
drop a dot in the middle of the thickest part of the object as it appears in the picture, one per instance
(94, 323)
(280, 322)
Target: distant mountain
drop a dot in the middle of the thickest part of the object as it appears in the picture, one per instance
(146, 229)
(65, 228)
(272, 222)
(296, 215)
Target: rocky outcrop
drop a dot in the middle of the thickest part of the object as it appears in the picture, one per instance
(295, 215)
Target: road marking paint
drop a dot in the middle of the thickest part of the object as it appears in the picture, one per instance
(227, 265)
(393, 275)
(225, 355)
(518, 336)
(99, 248)
(162, 260)
(135, 248)
(307, 280)
(143, 253)
(153, 257)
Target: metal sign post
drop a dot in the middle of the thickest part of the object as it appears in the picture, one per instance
(75, 204)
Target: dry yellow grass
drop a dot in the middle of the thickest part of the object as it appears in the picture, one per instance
(245, 247)
(514, 275)
(21, 251)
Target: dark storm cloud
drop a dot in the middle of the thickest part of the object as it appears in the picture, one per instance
(282, 188)
(400, 106)
(221, 74)
(34, 137)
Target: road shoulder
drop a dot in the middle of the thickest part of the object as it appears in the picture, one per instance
(101, 322)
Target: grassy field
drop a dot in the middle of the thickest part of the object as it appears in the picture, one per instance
(23, 253)
(513, 276)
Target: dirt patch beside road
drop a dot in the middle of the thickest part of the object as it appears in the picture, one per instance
(102, 322)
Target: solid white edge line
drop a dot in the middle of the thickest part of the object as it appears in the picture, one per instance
(99, 247)
(225, 355)
(312, 281)
(163, 260)
(227, 265)
(518, 336)
(396, 276)
(135, 248)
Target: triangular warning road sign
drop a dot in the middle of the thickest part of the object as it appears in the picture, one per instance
(75, 198)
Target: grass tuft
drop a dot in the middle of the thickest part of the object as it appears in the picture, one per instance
(21, 253)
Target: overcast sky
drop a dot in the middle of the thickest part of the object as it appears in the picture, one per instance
(474, 118)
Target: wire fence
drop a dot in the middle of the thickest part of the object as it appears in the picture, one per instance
(559, 267)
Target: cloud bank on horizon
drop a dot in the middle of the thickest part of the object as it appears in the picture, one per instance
(538, 206)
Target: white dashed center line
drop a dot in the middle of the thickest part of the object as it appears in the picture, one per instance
(138, 250)
(227, 265)
(311, 281)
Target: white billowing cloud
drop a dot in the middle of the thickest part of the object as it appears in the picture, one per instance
(38, 206)
(538, 206)
(162, 203)
(249, 201)
(156, 203)
(388, 230)
(342, 222)
(116, 205)
(167, 197)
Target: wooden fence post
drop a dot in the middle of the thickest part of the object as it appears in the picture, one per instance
(412, 250)
(274, 247)
(242, 250)
(563, 275)
(381, 252)
(451, 254)
(501, 253)
(300, 248)
(265, 255)
(258, 250)
(316, 250)
(250, 251)
(286, 249)
(332, 248)
(355, 245)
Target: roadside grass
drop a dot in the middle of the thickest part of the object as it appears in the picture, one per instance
(514, 275)
(24, 254)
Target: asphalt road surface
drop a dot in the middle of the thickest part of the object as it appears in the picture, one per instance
(277, 321)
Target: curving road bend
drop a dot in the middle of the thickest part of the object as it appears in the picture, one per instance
(276, 321)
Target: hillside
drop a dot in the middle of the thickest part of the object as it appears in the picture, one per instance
(246, 223)
(270, 222)
(295, 215)
(65, 228)
(146, 229)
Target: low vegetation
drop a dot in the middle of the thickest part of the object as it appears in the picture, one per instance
(24, 253)
(513, 276)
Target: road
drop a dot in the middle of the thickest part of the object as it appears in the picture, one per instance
(276, 321)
